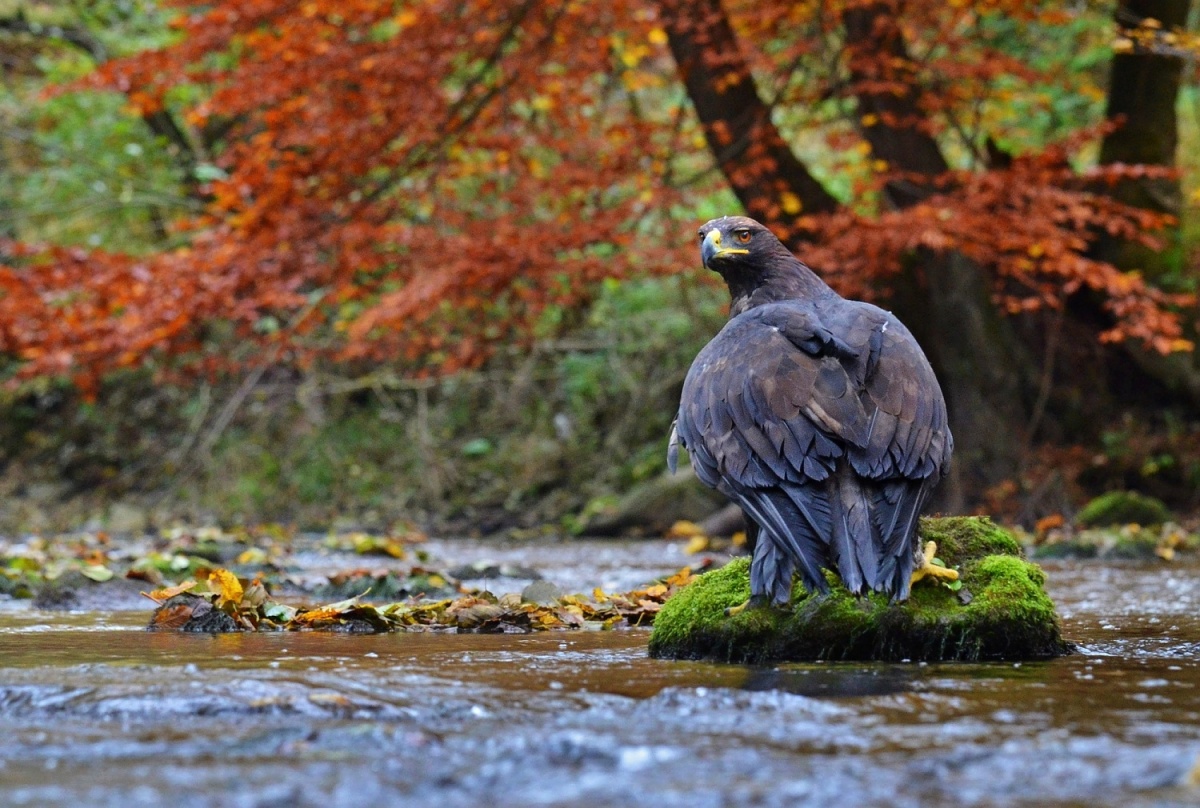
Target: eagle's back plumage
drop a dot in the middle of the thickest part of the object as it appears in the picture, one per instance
(823, 420)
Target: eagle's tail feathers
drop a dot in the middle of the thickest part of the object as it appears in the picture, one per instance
(896, 506)
(771, 572)
(855, 540)
(794, 531)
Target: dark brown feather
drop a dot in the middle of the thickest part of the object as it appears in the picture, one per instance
(820, 416)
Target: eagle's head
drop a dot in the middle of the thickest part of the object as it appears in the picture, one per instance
(737, 242)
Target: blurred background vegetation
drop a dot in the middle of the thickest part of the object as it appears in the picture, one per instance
(544, 431)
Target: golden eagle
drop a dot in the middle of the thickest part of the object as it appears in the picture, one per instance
(819, 416)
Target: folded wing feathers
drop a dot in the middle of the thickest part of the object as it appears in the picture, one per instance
(828, 432)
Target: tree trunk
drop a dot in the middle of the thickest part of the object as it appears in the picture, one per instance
(892, 121)
(982, 364)
(1143, 89)
(770, 182)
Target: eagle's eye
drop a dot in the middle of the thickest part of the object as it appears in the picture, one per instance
(701, 234)
(743, 236)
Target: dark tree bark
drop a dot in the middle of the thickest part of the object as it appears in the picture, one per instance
(877, 57)
(946, 299)
(748, 148)
(1143, 91)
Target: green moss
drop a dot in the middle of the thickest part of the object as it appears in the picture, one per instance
(1004, 613)
(1078, 547)
(966, 538)
(1123, 508)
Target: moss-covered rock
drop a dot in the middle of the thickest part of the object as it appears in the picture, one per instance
(1001, 612)
(1123, 508)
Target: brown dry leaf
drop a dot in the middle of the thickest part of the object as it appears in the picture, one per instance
(226, 585)
(163, 595)
(570, 617)
(149, 575)
(475, 614)
(169, 618)
(255, 594)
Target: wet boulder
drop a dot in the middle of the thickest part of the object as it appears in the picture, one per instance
(651, 507)
(1000, 611)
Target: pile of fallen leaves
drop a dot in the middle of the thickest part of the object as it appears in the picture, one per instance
(223, 602)
(210, 580)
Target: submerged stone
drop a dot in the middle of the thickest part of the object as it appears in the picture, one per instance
(1000, 612)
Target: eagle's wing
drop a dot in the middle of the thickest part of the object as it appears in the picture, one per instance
(908, 435)
(780, 396)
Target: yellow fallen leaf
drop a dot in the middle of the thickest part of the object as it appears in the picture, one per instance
(254, 555)
(681, 578)
(226, 585)
(684, 529)
(163, 595)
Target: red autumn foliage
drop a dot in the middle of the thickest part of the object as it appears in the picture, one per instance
(419, 183)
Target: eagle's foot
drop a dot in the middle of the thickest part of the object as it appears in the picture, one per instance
(755, 602)
(928, 569)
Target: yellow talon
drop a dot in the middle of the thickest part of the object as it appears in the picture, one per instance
(930, 570)
(754, 602)
(735, 610)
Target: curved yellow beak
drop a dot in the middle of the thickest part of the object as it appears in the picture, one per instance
(711, 247)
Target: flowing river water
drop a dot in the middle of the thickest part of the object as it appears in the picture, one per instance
(95, 711)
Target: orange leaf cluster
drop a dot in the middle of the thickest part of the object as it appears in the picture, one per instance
(417, 185)
(1031, 224)
(421, 183)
